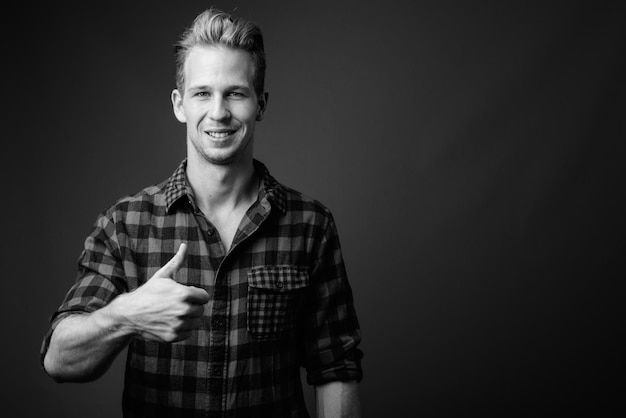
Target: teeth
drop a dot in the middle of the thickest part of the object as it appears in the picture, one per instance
(219, 135)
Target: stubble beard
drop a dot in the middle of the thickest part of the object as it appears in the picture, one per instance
(223, 157)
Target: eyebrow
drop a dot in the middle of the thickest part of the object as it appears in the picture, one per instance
(228, 88)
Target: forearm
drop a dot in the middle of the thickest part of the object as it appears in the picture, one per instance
(338, 400)
(83, 346)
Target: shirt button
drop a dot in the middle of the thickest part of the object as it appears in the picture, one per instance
(279, 284)
(218, 323)
(217, 372)
(210, 231)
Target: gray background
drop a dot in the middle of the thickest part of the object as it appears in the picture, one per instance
(472, 153)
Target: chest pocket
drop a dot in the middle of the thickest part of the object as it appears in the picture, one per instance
(274, 295)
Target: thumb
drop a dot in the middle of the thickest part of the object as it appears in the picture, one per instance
(172, 266)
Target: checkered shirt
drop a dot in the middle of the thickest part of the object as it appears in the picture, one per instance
(279, 300)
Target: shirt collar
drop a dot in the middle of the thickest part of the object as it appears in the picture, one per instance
(176, 187)
(270, 188)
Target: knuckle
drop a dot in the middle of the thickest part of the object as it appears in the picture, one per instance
(178, 324)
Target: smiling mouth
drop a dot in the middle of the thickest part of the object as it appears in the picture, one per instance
(220, 134)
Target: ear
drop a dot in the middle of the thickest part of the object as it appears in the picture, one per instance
(262, 105)
(177, 105)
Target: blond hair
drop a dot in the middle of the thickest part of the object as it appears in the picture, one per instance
(215, 27)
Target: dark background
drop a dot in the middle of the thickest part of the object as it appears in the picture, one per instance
(472, 153)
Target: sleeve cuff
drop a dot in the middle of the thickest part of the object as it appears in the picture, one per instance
(343, 370)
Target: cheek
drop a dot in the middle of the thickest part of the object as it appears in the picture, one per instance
(250, 115)
(193, 115)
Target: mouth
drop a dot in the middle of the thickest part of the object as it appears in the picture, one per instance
(220, 133)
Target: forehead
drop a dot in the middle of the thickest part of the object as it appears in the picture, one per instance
(218, 66)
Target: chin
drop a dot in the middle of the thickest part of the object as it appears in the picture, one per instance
(228, 155)
(222, 159)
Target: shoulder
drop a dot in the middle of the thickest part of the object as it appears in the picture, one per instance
(132, 207)
(299, 199)
(154, 200)
(301, 207)
(287, 200)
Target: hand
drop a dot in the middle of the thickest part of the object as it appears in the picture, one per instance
(163, 310)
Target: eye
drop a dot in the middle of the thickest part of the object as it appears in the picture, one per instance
(236, 94)
(201, 94)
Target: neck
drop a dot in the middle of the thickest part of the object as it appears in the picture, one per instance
(221, 186)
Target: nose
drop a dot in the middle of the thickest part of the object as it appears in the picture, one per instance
(219, 109)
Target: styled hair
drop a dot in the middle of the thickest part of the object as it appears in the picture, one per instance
(215, 27)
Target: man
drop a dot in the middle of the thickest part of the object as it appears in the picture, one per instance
(221, 281)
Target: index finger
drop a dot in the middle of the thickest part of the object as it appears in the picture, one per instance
(197, 295)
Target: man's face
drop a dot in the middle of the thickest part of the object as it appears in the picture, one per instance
(219, 104)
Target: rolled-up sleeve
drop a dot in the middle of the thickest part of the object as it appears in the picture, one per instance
(99, 280)
(332, 332)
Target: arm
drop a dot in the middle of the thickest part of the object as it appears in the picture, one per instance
(83, 347)
(333, 361)
(338, 399)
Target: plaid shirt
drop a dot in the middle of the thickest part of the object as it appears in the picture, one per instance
(279, 300)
